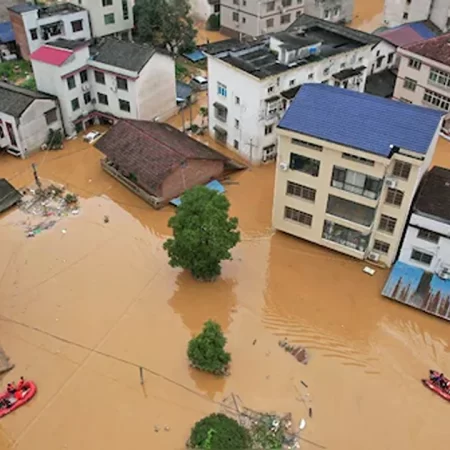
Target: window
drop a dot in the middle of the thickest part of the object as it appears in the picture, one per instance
(304, 164)
(310, 76)
(379, 61)
(356, 182)
(87, 98)
(437, 100)
(326, 71)
(286, 3)
(285, 18)
(360, 159)
(102, 99)
(326, 14)
(387, 223)
(122, 83)
(124, 105)
(291, 82)
(221, 89)
(270, 89)
(381, 246)
(298, 14)
(269, 23)
(439, 77)
(270, 6)
(237, 100)
(2, 134)
(83, 76)
(243, 20)
(236, 124)
(421, 257)
(77, 25)
(109, 19)
(99, 77)
(351, 211)
(306, 144)
(344, 236)
(401, 169)
(405, 15)
(269, 153)
(337, 11)
(220, 112)
(268, 129)
(236, 17)
(244, 3)
(75, 104)
(51, 116)
(298, 190)
(125, 12)
(235, 2)
(107, 2)
(428, 235)
(390, 58)
(11, 134)
(409, 84)
(33, 34)
(414, 63)
(297, 216)
(394, 197)
(71, 82)
(236, 144)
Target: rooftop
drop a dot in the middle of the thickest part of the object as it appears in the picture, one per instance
(381, 83)
(437, 48)
(51, 55)
(151, 150)
(23, 8)
(361, 121)
(307, 40)
(6, 32)
(58, 9)
(9, 196)
(123, 54)
(409, 33)
(68, 44)
(14, 100)
(433, 198)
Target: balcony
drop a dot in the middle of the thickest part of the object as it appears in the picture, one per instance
(51, 30)
(356, 183)
(351, 211)
(345, 236)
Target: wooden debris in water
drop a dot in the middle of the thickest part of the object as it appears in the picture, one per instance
(297, 351)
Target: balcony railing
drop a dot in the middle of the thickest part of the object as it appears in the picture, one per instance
(356, 183)
(345, 236)
(351, 211)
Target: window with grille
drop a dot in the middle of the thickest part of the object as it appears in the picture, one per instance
(401, 169)
(409, 84)
(381, 246)
(434, 99)
(394, 197)
(387, 223)
(297, 216)
(414, 63)
(298, 190)
(428, 235)
(421, 257)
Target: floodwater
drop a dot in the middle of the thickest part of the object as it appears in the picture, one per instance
(368, 15)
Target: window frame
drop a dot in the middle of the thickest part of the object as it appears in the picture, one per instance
(394, 197)
(294, 215)
(99, 77)
(107, 17)
(387, 224)
(87, 94)
(409, 84)
(400, 167)
(381, 246)
(428, 235)
(80, 22)
(83, 76)
(102, 95)
(75, 106)
(414, 63)
(54, 113)
(122, 102)
(71, 83)
(120, 80)
(311, 165)
(417, 256)
(297, 190)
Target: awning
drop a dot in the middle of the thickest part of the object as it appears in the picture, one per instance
(274, 98)
(348, 73)
(290, 93)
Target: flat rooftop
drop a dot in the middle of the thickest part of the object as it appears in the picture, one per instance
(258, 57)
(59, 9)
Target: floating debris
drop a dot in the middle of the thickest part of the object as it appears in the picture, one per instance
(297, 351)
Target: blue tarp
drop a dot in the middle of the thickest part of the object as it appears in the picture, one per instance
(6, 32)
(195, 56)
(214, 185)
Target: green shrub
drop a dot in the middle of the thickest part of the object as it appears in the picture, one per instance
(219, 432)
(206, 351)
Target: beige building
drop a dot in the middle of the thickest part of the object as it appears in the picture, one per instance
(348, 167)
(424, 75)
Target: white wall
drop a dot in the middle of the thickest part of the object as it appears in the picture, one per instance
(439, 250)
(395, 9)
(6, 140)
(383, 49)
(440, 12)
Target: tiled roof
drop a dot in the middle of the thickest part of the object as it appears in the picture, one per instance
(6, 32)
(151, 150)
(123, 54)
(361, 121)
(9, 196)
(14, 100)
(437, 48)
(407, 33)
(51, 55)
(433, 198)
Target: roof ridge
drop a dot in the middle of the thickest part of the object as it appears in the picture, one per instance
(426, 41)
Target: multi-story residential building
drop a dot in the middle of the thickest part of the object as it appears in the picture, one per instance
(35, 25)
(424, 75)
(332, 10)
(109, 17)
(26, 118)
(109, 80)
(397, 12)
(348, 167)
(251, 83)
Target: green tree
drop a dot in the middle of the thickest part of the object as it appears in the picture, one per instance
(207, 350)
(165, 23)
(203, 233)
(219, 432)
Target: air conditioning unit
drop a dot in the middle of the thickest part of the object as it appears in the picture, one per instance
(373, 256)
(85, 87)
(444, 274)
(391, 183)
(113, 88)
(284, 166)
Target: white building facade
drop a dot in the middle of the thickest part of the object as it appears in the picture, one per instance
(109, 17)
(332, 10)
(427, 239)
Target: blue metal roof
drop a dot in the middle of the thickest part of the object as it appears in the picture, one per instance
(423, 30)
(6, 32)
(195, 56)
(362, 121)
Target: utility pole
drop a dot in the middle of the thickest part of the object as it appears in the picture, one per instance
(36, 177)
(251, 145)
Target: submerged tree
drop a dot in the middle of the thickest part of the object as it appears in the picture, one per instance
(203, 233)
(165, 23)
(207, 350)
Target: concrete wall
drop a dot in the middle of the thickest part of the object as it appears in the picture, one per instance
(332, 10)
(394, 11)
(20, 33)
(440, 13)
(197, 171)
(6, 141)
(439, 250)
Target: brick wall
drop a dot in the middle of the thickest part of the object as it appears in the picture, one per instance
(20, 33)
(197, 171)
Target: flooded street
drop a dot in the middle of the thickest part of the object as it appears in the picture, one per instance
(85, 304)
